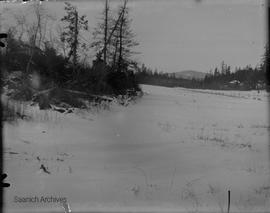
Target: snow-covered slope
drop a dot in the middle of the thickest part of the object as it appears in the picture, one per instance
(174, 150)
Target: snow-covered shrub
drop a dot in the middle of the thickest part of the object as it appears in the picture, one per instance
(12, 111)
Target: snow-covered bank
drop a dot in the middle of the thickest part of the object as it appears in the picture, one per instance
(174, 150)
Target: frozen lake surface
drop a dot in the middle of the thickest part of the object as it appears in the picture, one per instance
(175, 149)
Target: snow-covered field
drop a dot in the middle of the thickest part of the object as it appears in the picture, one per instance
(174, 150)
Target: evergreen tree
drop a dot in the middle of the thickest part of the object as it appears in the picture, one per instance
(123, 40)
(114, 39)
(101, 35)
(75, 24)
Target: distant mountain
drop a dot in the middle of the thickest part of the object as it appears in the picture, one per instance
(190, 74)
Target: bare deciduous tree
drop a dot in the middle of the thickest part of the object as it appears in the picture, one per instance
(37, 30)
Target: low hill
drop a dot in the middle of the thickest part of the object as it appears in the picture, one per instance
(190, 74)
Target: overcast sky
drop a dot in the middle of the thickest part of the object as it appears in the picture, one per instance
(177, 35)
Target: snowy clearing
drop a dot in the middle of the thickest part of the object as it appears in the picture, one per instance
(175, 149)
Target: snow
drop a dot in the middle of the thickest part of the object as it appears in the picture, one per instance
(173, 150)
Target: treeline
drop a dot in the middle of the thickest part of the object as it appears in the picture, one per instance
(43, 60)
(145, 75)
(222, 78)
(246, 78)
